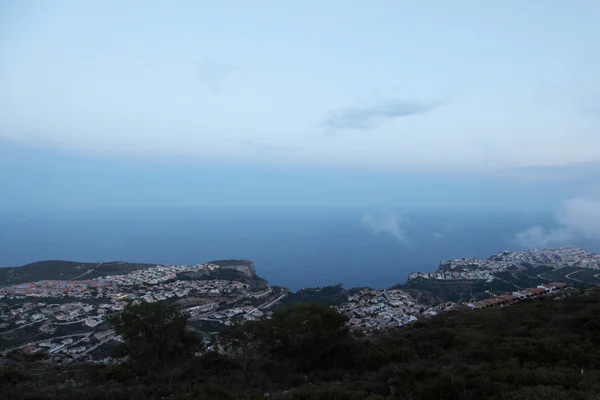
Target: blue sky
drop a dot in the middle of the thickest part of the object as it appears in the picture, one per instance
(368, 104)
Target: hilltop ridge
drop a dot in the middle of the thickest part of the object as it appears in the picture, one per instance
(464, 278)
(543, 348)
(65, 270)
(57, 298)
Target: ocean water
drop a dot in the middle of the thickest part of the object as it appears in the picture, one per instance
(291, 248)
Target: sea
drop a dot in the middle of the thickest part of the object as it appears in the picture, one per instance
(294, 248)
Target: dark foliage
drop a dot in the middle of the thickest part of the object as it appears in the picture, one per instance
(331, 295)
(155, 336)
(542, 348)
(65, 270)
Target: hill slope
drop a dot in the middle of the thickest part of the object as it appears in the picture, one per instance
(544, 348)
(65, 270)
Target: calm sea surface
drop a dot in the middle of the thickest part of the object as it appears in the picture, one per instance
(294, 249)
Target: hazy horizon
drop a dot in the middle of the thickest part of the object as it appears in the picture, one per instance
(383, 107)
(291, 248)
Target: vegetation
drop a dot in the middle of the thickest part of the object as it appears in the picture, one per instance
(543, 348)
(65, 270)
(155, 336)
(331, 295)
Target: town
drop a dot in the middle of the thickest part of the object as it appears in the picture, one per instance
(70, 316)
(68, 319)
(542, 261)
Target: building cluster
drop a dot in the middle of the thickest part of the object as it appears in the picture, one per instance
(509, 298)
(55, 289)
(228, 316)
(73, 347)
(50, 309)
(566, 256)
(180, 289)
(151, 284)
(481, 269)
(380, 309)
(54, 315)
(156, 275)
(53, 308)
(370, 308)
(478, 272)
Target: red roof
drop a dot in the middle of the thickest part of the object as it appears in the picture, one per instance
(558, 284)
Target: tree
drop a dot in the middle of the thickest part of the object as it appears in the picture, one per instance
(155, 335)
(309, 336)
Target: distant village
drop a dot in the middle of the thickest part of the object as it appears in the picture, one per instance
(381, 309)
(480, 269)
(52, 307)
(67, 319)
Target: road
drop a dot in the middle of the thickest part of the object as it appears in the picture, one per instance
(568, 276)
(387, 296)
(22, 326)
(263, 294)
(85, 334)
(71, 322)
(100, 343)
(418, 296)
(270, 304)
(541, 277)
(87, 272)
(510, 283)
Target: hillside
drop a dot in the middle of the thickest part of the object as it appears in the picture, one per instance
(470, 278)
(65, 270)
(232, 270)
(222, 293)
(548, 348)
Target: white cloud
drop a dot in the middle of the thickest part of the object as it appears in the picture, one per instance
(438, 235)
(390, 224)
(577, 218)
(190, 86)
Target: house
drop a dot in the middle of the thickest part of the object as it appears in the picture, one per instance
(536, 291)
(489, 302)
(458, 307)
(559, 285)
(37, 317)
(547, 287)
(508, 298)
(92, 323)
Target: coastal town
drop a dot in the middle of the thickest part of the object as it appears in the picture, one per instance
(68, 318)
(539, 261)
(389, 308)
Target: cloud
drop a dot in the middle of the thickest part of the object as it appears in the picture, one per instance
(593, 111)
(577, 218)
(438, 235)
(376, 114)
(571, 172)
(270, 147)
(390, 224)
(213, 74)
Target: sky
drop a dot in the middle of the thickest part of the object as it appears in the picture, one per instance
(381, 103)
